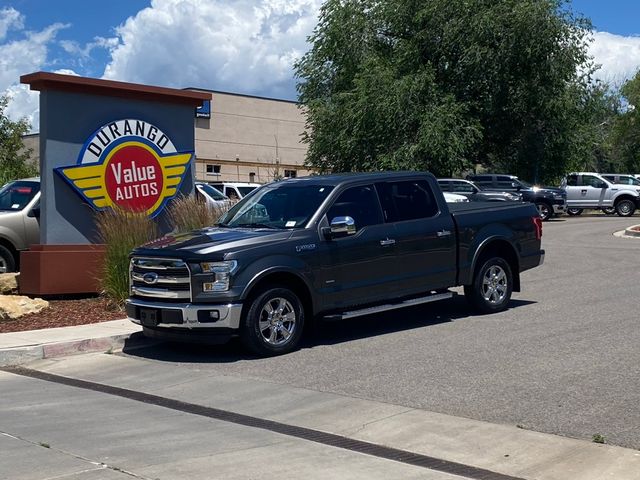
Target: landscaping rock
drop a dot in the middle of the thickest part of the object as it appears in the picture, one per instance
(15, 306)
(8, 283)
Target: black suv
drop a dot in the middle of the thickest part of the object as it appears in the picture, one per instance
(549, 200)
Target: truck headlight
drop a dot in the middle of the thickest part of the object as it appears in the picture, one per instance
(222, 272)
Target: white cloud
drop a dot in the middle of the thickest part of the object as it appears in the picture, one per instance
(18, 57)
(244, 46)
(10, 18)
(619, 57)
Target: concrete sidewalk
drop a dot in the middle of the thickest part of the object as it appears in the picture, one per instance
(22, 347)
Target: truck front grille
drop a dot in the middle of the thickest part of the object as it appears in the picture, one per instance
(163, 279)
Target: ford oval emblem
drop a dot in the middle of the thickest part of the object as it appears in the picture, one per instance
(150, 278)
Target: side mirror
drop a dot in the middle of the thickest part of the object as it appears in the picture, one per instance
(342, 227)
(603, 185)
(34, 212)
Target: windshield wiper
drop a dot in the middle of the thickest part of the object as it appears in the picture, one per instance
(223, 225)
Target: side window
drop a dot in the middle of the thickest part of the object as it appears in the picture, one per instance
(590, 181)
(572, 181)
(359, 203)
(463, 187)
(445, 185)
(408, 200)
(482, 180)
(506, 182)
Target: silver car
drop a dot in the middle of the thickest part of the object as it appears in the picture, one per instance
(19, 220)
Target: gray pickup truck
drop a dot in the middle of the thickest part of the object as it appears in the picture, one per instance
(19, 220)
(333, 247)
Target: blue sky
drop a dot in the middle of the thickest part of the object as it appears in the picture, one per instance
(244, 46)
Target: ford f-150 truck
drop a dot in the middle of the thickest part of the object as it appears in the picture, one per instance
(333, 247)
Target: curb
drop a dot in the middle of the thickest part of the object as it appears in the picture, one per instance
(13, 356)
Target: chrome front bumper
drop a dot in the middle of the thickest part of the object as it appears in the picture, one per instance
(191, 314)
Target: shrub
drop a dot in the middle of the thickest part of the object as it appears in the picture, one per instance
(121, 231)
(193, 213)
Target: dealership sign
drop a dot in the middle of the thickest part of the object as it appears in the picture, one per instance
(128, 164)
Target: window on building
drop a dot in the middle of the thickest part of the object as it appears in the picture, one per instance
(252, 177)
(213, 169)
(290, 173)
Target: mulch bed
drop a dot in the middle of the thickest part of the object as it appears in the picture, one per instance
(65, 313)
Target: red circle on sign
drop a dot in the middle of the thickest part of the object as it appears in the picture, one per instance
(133, 178)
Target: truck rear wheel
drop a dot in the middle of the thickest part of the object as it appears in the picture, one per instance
(625, 208)
(492, 286)
(7, 262)
(273, 322)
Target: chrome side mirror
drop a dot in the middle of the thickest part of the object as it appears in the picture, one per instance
(343, 226)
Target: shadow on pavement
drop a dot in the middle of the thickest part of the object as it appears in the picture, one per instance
(319, 333)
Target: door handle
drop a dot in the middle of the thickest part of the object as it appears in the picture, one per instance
(444, 233)
(387, 242)
(583, 192)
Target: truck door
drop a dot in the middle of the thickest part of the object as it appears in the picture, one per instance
(359, 268)
(594, 192)
(425, 238)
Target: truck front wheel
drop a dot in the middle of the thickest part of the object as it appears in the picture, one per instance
(273, 322)
(492, 286)
(625, 208)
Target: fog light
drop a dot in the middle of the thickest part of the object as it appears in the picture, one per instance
(214, 315)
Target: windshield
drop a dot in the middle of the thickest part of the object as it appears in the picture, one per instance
(246, 190)
(212, 192)
(277, 206)
(15, 196)
(525, 184)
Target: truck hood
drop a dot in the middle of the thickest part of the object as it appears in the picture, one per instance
(547, 190)
(211, 241)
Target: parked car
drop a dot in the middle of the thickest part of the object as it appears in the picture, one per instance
(549, 200)
(19, 220)
(474, 193)
(235, 190)
(589, 190)
(334, 247)
(621, 179)
(212, 195)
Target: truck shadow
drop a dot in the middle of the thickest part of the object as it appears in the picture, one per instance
(319, 333)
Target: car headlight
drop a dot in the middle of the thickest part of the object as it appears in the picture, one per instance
(222, 272)
(513, 196)
(558, 195)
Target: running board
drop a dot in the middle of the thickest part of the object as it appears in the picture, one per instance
(389, 306)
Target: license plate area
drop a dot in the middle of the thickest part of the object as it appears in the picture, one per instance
(149, 317)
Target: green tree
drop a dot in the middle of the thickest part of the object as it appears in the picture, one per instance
(13, 155)
(625, 134)
(442, 85)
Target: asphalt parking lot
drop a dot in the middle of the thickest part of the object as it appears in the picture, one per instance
(563, 360)
(431, 392)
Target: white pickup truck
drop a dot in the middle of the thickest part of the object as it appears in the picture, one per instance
(588, 190)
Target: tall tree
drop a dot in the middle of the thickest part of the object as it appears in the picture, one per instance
(442, 85)
(625, 135)
(13, 154)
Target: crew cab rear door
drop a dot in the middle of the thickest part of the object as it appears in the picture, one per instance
(425, 237)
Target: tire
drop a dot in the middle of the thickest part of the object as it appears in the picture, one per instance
(609, 210)
(271, 312)
(484, 293)
(545, 210)
(7, 261)
(573, 212)
(625, 208)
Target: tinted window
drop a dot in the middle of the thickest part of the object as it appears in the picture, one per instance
(359, 203)
(445, 185)
(16, 195)
(407, 200)
(211, 192)
(246, 190)
(482, 180)
(572, 181)
(463, 187)
(591, 181)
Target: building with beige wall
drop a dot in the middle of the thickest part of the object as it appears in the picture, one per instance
(245, 139)
(249, 139)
